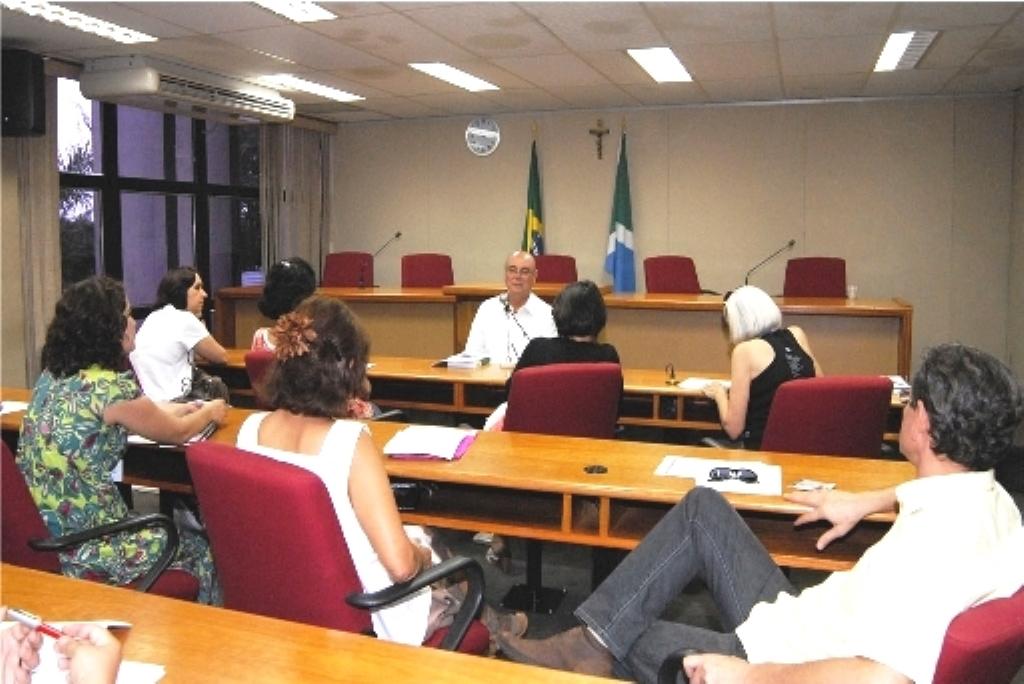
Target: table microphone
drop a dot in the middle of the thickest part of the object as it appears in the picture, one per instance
(788, 245)
(362, 267)
(391, 239)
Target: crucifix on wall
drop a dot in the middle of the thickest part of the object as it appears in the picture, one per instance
(599, 131)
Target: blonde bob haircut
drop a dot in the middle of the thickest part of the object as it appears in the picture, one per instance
(750, 313)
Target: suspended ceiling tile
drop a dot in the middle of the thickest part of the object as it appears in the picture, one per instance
(617, 66)
(393, 37)
(552, 70)
(820, 19)
(839, 55)
(211, 17)
(908, 81)
(816, 86)
(727, 61)
(528, 99)
(396, 79)
(400, 107)
(956, 47)
(943, 15)
(666, 93)
(304, 46)
(459, 103)
(743, 90)
(489, 29)
(590, 26)
(597, 97)
(686, 23)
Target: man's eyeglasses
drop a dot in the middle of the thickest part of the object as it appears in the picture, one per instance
(741, 474)
(525, 272)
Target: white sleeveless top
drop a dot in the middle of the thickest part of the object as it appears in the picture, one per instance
(405, 622)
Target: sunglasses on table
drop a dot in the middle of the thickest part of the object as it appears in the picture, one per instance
(742, 474)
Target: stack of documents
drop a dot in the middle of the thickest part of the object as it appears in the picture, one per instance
(463, 360)
(429, 441)
(698, 384)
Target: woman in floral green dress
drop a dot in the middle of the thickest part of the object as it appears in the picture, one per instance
(74, 433)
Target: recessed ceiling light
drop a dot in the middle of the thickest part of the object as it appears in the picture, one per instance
(301, 11)
(904, 50)
(661, 63)
(78, 21)
(289, 82)
(456, 77)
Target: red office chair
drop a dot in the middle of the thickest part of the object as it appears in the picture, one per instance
(257, 364)
(671, 274)
(556, 268)
(573, 399)
(280, 551)
(840, 415)
(26, 541)
(815, 277)
(348, 269)
(984, 644)
(427, 270)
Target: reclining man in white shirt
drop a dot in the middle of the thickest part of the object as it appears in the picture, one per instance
(956, 542)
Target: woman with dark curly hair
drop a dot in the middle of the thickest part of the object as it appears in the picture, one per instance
(74, 434)
(321, 351)
(288, 283)
(172, 335)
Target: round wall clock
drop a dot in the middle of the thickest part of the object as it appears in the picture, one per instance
(482, 136)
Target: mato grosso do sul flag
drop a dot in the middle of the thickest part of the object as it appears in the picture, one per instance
(533, 230)
(619, 262)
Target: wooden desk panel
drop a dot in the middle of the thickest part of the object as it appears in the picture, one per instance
(198, 643)
(400, 322)
(863, 336)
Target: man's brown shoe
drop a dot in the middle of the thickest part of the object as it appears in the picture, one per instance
(574, 650)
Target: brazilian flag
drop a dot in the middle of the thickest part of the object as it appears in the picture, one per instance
(533, 231)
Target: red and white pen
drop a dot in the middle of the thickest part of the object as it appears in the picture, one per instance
(34, 621)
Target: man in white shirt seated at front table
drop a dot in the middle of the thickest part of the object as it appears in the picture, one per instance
(956, 542)
(505, 323)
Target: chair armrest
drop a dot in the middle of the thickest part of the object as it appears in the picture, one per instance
(470, 607)
(152, 520)
(710, 292)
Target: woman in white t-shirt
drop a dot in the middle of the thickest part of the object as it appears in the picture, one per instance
(171, 336)
(320, 354)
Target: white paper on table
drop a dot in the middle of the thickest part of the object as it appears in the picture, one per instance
(899, 384)
(433, 440)
(698, 384)
(769, 477)
(12, 407)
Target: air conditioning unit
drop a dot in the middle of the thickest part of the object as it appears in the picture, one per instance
(166, 86)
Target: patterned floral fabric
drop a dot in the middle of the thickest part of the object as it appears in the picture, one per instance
(66, 453)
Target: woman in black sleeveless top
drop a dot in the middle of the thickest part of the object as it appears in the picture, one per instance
(764, 356)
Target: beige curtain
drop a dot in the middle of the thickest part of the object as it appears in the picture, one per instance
(295, 193)
(38, 200)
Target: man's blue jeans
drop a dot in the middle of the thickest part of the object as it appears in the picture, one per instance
(702, 537)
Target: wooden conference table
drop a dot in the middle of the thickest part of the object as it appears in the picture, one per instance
(862, 336)
(414, 383)
(538, 487)
(197, 643)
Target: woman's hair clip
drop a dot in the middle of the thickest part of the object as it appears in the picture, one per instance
(292, 336)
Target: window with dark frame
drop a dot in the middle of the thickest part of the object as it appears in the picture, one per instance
(142, 192)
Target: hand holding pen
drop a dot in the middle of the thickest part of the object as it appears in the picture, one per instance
(88, 652)
(19, 650)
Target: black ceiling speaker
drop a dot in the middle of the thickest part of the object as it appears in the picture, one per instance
(24, 93)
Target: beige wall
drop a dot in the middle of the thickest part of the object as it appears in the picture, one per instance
(915, 194)
(12, 323)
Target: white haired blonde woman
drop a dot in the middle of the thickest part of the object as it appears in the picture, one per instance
(764, 356)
